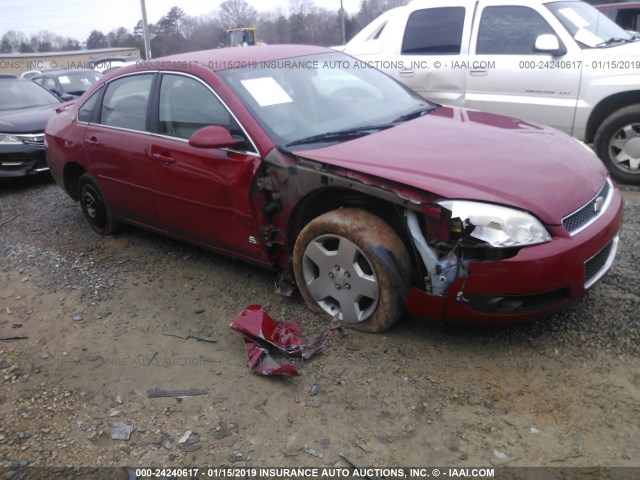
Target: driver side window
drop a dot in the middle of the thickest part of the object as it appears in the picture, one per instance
(510, 30)
(187, 105)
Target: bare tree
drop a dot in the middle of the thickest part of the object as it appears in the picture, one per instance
(272, 27)
(177, 32)
(12, 40)
(70, 44)
(237, 13)
(189, 25)
(371, 9)
(323, 27)
(5, 45)
(203, 33)
(171, 21)
(43, 41)
(121, 37)
(300, 6)
(96, 39)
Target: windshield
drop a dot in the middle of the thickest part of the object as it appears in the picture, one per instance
(78, 81)
(18, 94)
(589, 27)
(300, 98)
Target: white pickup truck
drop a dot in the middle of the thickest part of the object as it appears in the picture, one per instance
(559, 63)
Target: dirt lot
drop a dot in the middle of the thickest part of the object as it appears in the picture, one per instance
(101, 317)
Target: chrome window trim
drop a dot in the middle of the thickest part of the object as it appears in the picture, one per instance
(159, 135)
(254, 153)
(105, 85)
(605, 206)
(171, 72)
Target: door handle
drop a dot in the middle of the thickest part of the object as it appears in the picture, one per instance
(406, 73)
(163, 158)
(478, 73)
(92, 142)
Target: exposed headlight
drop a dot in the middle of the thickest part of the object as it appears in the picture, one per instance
(498, 226)
(6, 139)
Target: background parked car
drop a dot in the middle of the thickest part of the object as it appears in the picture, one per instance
(67, 84)
(558, 63)
(627, 15)
(29, 74)
(24, 110)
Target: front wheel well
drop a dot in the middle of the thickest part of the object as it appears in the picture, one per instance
(605, 108)
(328, 199)
(71, 175)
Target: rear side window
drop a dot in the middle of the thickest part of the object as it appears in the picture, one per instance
(125, 102)
(86, 110)
(510, 31)
(434, 31)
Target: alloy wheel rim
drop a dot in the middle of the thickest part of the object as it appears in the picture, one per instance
(624, 149)
(340, 278)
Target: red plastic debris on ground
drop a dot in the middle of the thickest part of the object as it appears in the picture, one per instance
(264, 337)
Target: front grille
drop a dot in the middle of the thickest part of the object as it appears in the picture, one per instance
(36, 139)
(599, 264)
(586, 215)
(18, 161)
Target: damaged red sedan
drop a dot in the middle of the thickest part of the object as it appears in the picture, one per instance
(370, 199)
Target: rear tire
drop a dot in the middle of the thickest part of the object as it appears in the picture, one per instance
(617, 143)
(94, 208)
(350, 264)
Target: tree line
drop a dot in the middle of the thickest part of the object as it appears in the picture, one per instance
(303, 22)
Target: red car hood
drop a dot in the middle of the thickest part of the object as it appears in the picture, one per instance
(465, 154)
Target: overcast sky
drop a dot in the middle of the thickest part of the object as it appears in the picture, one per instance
(76, 18)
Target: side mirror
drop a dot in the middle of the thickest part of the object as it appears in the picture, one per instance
(549, 43)
(213, 136)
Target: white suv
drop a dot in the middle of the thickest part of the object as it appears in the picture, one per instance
(559, 63)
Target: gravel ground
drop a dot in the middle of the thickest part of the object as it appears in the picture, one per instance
(102, 314)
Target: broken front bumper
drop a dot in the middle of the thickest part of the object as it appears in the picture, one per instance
(539, 280)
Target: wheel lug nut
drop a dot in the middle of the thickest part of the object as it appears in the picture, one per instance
(337, 287)
(347, 274)
(330, 275)
(347, 286)
(337, 268)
